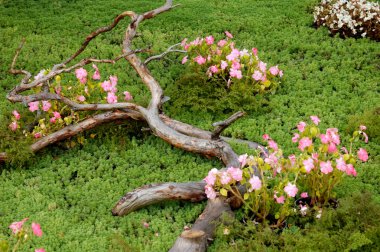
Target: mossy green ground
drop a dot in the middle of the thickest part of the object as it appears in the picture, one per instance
(71, 192)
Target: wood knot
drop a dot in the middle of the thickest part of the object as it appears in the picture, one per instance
(192, 234)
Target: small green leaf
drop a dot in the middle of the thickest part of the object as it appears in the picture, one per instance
(223, 192)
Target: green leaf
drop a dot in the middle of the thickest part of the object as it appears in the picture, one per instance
(223, 192)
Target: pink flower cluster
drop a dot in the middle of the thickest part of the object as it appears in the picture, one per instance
(17, 227)
(109, 86)
(56, 116)
(14, 125)
(331, 140)
(222, 58)
(216, 178)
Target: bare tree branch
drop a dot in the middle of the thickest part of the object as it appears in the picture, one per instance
(155, 193)
(94, 34)
(220, 126)
(160, 56)
(12, 69)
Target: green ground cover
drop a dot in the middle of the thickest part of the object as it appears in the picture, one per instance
(70, 192)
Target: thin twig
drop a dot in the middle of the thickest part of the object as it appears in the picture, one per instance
(160, 56)
(220, 126)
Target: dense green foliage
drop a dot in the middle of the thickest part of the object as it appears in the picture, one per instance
(70, 192)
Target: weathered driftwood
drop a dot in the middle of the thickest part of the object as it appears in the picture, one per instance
(178, 134)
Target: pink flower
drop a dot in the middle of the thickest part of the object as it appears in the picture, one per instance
(222, 43)
(243, 159)
(58, 90)
(244, 52)
(211, 177)
(291, 190)
(332, 148)
(17, 226)
(225, 178)
(236, 73)
(262, 66)
(362, 127)
(266, 137)
(254, 51)
(223, 65)
(33, 106)
(295, 138)
(210, 193)
(46, 105)
(309, 164)
(292, 159)
(272, 160)
(281, 73)
(315, 119)
(209, 40)
(362, 155)
(333, 135)
(128, 96)
(255, 183)
(184, 59)
(301, 126)
(351, 170)
(274, 70)
(53, 120)
(146, 224)
(214, 69)
(37, 135)
(324, 138)
(257, 75)
(110, 86)
(326, 167)
(36, 229)
(272, 144)
(315, 156)
(96, 75)
(304, 142)
(236, 65)
(56, 114)
(236, 173)
(13, 126)
(233, 55)
(200, 60)
(111, 98)
(16, 114)
(183, 42)
(81, 98)
(106, 85)
(39, 250)
(113, 80)
(341, 164)
(304, 195)
(280, 200)
(81, 75)
(365, 137)
(228, 34)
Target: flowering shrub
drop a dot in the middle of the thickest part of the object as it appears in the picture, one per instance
(20, 235)
(224, 62)
(350, 18)
(312, 174)
(54, 115)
